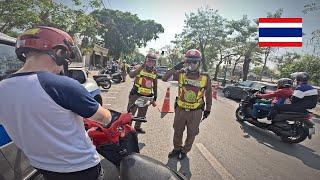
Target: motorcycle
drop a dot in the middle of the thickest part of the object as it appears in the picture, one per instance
(103, 80)
(292, 127)
(116, 76)
(118, 142)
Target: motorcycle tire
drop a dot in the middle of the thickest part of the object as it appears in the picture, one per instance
(117, 80)
(303, 133)
(106, 84)
(239, 115)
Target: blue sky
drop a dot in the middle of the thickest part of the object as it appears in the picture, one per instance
(171, 13)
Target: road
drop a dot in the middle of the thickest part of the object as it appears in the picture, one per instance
(224, 149)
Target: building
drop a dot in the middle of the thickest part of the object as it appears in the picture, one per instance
(99, 56)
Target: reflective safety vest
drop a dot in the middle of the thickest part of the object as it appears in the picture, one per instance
(144, 82)
(191, 91)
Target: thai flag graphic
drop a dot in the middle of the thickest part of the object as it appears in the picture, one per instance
(280, 32)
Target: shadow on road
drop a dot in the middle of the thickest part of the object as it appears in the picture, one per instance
(306, 155)
(141, 145)
(184, 166)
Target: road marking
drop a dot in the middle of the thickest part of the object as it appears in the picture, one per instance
(107, 104)
(110, 97)
(214, 162)
(116, 92)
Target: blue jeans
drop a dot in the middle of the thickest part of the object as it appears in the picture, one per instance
(258, 106)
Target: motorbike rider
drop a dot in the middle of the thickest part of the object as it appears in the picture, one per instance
(124, 67)
(145, 84)
(45, 117)
(283, 93)
(304, 95)
(193, 103)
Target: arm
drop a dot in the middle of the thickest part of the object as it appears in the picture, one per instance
(269, 95)
(133, 73)
(155, 89)
(170, 73)
(102, 115)
(208, 95)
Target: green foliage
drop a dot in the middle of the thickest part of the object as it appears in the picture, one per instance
(310, 64)
(122, 32)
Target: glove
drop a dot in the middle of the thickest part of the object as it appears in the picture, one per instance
(205, 114)
(178, 66)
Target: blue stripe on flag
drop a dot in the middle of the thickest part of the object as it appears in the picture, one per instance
(280, 32)
(4, 137)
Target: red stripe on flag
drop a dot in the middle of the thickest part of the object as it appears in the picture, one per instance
(280, 20)
(280, 44)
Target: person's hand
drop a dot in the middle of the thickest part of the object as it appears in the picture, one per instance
(154, 103)
(206, 113)
(178, 66)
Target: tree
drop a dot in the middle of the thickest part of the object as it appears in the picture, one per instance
(203, 30)
(313, 7)
(122, 32)
(18, 15)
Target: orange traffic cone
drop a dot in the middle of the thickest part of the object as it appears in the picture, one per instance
(166, 103)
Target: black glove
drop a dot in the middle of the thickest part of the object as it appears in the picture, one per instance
(205, 114)
(178, 66)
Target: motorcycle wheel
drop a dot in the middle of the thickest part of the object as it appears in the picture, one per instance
(239, 115)
(117, 81)
(106, 84)
(300, 133)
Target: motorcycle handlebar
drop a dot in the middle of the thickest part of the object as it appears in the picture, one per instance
(139, 119)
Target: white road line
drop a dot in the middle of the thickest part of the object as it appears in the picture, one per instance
(214, 162)
(107, 104)
(116, 92)
(111, 97)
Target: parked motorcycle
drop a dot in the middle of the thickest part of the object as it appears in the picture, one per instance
(118, 142)
(292, 127)
(103, 80)
(116, 76)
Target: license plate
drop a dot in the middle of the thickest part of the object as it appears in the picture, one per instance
(312, 131)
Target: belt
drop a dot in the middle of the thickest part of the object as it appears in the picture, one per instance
(189, 109)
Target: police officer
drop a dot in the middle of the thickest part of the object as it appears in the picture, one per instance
(193, 103)
(145, 84)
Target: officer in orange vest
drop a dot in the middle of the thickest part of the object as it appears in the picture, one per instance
(193, 103)
(145, 84)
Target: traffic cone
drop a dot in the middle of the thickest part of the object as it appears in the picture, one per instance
(166, 103)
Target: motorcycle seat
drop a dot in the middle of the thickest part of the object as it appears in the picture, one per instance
(294, 113)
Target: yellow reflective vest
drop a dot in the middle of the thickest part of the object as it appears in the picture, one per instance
(191, 91)
(144, 82)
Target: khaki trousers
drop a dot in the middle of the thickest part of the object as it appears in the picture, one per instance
(182, 119)
(141, 111)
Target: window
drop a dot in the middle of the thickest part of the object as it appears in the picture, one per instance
(246, 83)
(9, 62)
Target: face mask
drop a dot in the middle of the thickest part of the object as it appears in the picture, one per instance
(192, 66)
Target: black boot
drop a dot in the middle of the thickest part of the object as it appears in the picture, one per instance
(139, 130)
(174, 153)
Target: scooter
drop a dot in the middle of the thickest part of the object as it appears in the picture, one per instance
(103, 80)
(292, 127)
(118, 142)
(116, 76)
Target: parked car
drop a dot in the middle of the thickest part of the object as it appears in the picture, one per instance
(80, 74)
(237, 90)
(161, 70)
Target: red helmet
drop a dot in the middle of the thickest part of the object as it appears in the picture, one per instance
(54, 42)
(193, 55)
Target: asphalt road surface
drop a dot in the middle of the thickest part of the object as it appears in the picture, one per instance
(225, 148)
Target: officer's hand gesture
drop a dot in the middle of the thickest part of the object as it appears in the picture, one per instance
(178, 66)
(205, 114)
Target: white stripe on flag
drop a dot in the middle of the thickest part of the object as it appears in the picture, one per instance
(280, 39)
(280, 25)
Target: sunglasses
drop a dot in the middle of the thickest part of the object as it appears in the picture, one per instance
(192, 62)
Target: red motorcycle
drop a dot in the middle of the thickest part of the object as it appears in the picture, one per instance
(118, 142)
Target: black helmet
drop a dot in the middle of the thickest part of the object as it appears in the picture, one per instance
(284, 83)
(300, 76)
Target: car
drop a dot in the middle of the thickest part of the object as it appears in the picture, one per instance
(238, 90)
(161, 70)
(79, 73)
